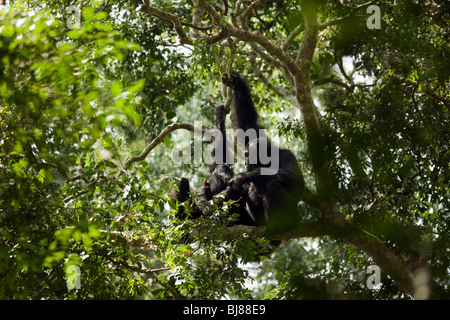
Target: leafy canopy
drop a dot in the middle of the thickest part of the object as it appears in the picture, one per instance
(76, 103)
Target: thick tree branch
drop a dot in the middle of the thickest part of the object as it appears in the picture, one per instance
(438, 97)
(341, 68)
(256, 48)
(333, 222)
(197, 18)
(299, 29)
(307, 108)
(170, 128)
(387, 260)
(333, 219)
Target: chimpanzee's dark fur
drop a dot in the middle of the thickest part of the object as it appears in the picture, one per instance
(269, 200)
(217, 183)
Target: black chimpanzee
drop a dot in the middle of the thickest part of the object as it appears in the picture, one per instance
(271, 196)
(265, 196)
(217, 183)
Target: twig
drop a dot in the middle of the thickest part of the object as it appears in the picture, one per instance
(225, 3)
(84, 191)
(340, 19)
(142, 156)
(190, 25)
(281, 91)
(346, 76)
(152, 274)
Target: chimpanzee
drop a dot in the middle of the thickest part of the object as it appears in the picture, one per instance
(270, 199)
(217, 183)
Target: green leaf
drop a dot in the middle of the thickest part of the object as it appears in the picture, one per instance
(116, 88)
(88, 14)
(101, 15)
(131, 112)
(137, 87)
(7, 30)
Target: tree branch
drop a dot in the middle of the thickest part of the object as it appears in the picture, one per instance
(158, 140)
(178, 24)
(340, 19)
(132, 240)
(281, 91)
(387, 260)
(197, 18)
(307, 108)
(90, 186)
(437, 97)
(334, 80)
(184, 38)
(374, 247)
(333, 222)
(430, 93)
(346, 76)
(299, 29)
(313, 229)
(140, 157)
(247, 36)
(153, 275)
(250, 9)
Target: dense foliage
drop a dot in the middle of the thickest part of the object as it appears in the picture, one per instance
(77, 102)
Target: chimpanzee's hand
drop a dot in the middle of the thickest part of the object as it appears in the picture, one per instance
(237, 182)
(228, 80)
